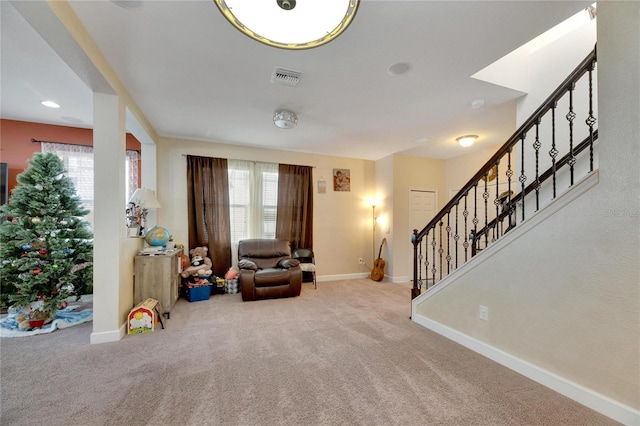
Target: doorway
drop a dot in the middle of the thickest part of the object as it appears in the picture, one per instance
(422, 208)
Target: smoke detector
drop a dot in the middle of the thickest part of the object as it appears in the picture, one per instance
(285, 119)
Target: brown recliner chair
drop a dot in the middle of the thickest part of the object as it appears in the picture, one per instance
(267, 270)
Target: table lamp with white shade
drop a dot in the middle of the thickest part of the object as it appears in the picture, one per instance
(138, 207)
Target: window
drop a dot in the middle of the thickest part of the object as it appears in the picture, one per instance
(78, 161)
(253, 199)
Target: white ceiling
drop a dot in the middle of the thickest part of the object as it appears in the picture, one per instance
(194, 76)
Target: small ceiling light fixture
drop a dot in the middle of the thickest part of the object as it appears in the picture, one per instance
(399, 68)
(477, 104)
(50, 104)
(285, 119)
(467, 140)
(290, 24)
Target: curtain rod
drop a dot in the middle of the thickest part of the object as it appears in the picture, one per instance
(235, 159)
(72, 144)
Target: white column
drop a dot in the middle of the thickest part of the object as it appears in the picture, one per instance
(149, 180)
(109, 147)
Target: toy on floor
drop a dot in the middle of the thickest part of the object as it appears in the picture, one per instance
(200, 264)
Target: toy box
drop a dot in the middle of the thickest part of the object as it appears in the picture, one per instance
(142, 318)
(231, 286)
(202, 292)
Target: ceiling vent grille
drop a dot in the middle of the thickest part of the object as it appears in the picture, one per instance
(286, 77)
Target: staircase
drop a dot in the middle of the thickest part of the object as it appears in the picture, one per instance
(544, 158)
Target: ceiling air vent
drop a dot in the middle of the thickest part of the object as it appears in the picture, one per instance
(286, 77)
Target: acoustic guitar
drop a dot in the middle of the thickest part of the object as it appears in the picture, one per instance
(377, 273)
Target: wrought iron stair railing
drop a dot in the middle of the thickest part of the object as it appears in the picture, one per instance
(493, 201)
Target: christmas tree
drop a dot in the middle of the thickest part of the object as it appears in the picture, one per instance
(46, 247)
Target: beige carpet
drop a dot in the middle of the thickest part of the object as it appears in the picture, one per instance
(344, 354)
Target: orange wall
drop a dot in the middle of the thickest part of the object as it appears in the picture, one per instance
(16, 148)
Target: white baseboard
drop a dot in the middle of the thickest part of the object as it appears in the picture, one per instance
(356, 276)
(359, 275)
(108, 336)
(587, 397)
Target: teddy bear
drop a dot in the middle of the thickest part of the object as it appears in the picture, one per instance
(200, 264)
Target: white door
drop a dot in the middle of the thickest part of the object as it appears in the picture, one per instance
(422, 208)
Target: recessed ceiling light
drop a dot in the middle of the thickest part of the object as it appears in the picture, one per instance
(50, 104)
(74, 120)
(399, 68)
(478, 103)
(128, 4)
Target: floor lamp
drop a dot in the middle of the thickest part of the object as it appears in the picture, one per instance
(373, 245)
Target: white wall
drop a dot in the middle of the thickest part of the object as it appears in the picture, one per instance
(411, 173)
(342, 220)
(385, 211)
(462, 168)
(565, 297)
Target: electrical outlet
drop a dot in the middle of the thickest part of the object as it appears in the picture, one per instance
(360, 261)
(484, 313)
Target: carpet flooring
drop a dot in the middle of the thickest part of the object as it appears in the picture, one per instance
(344, 354)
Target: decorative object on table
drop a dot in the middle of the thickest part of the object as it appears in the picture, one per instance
(138, 207)
(377, 273)
(47, 248)
(200, 263)
(143, 317)
(133, 231)
(157, 236)
(342, 180)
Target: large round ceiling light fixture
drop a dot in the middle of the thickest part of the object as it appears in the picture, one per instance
(285, 119)
(290, 24)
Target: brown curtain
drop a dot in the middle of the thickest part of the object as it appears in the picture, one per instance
(208, 206)
(295, 206)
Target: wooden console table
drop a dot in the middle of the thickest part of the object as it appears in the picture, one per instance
(157, 276)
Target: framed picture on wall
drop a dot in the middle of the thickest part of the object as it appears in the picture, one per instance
(322, 186)
(342, 180)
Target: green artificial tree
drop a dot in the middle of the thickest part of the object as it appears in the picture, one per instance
(46, 249)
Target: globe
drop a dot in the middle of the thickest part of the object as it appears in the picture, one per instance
(157, 236)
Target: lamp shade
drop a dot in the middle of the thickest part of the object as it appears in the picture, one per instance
(290, 24)
(145, 198)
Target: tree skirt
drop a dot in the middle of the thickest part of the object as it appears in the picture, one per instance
(66, 317)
